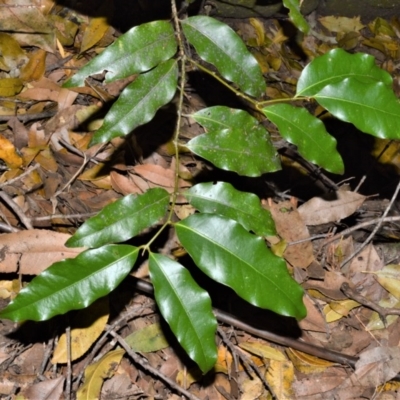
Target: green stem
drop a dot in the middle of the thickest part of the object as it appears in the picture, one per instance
(182, 60)
(222, 81)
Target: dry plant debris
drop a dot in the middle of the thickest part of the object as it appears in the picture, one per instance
(51, 181)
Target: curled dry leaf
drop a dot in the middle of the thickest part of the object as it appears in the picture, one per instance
(30, 252)
(319, 211)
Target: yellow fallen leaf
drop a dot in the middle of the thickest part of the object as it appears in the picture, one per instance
(389, 278)
(8, 153)
(307, 363)
(10, 86)
(96, 373)
(263, 350)
(339, 309)
(91, 322)
(35, 67)
(280, 377)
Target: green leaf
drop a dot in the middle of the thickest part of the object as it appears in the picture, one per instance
(296, 16)
(122, 220)
(229, 254)
(138, 50)
(371, 107)
(187, 309)
(335, 66)
(236, 142)
(72, 284)
(308, 133)
(223, 199)
(139, 102)
(218, 44)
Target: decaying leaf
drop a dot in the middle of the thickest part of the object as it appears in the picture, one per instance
(86, 326)
(321, 211)
(30, 252)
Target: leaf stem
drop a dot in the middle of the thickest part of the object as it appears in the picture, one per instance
(182, 59)
(222, 81)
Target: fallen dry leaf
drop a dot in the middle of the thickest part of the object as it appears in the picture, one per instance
(291, 227)
(321, 211)
(30, 252)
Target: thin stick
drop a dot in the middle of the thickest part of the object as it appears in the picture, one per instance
(69, 366)
(17, 209)
(308, 348)
(359, 226)
(19, 177)
(378, 225)
(144, 363)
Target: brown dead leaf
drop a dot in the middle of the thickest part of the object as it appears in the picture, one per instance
(291, 227)
(30, 252)
(29, 26)
(375, 367)
(122, 184)
(314, 320)
(319, 211)
(49, 389)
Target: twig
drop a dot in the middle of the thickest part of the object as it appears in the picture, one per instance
(7, 228)
(17, 209)
(247, 362)
(19, 177)
(309, 239)
(378, 225)
(29, 117)
(383, 312)
(122, 319)
(63, 216)
(359, 226)
(69, 366)
(308, 348)
(144, 363)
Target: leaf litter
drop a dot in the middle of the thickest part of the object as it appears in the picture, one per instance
(54, 183)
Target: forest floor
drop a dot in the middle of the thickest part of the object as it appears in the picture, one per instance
(342, 232)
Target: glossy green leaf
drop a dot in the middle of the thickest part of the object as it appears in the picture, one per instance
(218, 44)
(229, 254)
(139, 102)
(235, 142)
(308, 133)
(337, 65)
(122, 220)
(295, 15)
(187, 309)
(72, 284)
(138, 50)
(223, 199)
(372, 107)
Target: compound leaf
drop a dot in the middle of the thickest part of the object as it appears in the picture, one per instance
(218, 44)
(122, 220)
(337, 65)
(223, 199)
(308, 133)
(229, 254)
(235, 142)
(138, 50)
(139, 102)
(371, 106)
(187, 309)
(72, 284)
